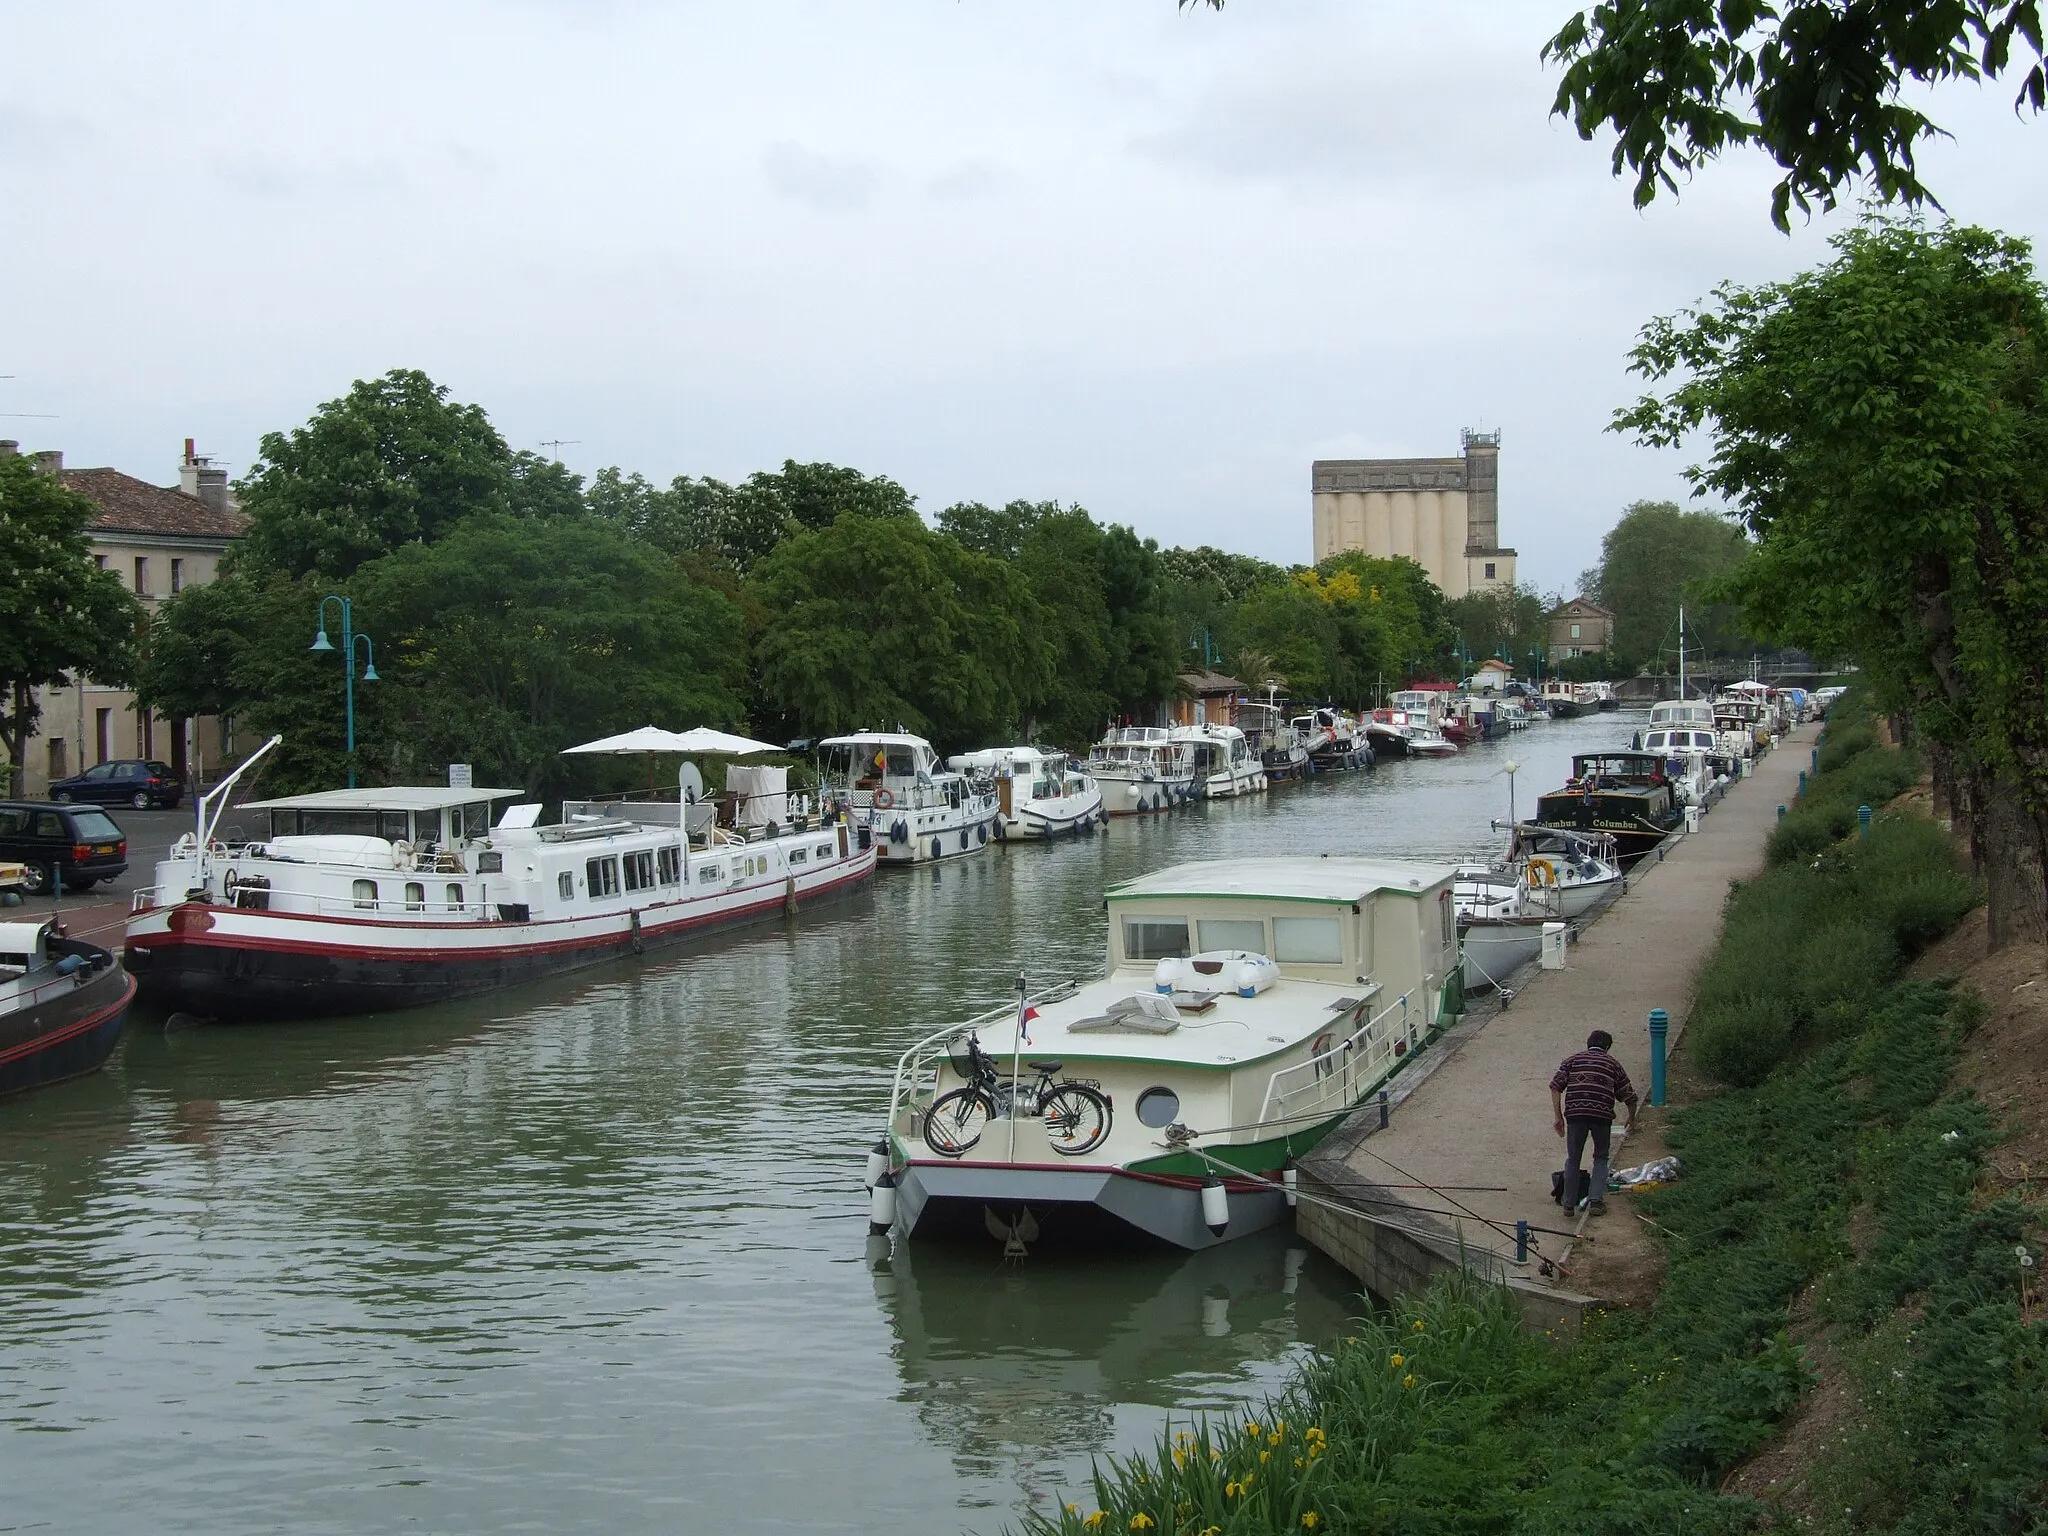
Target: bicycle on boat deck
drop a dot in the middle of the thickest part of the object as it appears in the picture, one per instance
(1076, 1115)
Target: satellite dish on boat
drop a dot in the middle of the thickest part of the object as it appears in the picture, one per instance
(692, 782)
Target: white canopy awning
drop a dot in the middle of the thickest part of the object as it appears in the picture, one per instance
(704, 739)
(650, 738)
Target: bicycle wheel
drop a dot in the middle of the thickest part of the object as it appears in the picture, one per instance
(1076, 1119)
(954, 1123)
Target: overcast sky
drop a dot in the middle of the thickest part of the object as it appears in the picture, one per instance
(1092, 250)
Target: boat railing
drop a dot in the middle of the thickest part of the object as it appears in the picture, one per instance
(917, 1069)
(1335, 1079)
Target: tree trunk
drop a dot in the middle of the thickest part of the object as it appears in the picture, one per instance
(16, 738)
(2013, 862)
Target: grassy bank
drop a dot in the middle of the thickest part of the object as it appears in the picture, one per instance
(1834, 1194)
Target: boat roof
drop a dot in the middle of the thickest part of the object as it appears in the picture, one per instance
(397, 797)
(876, 738)
(1650, 760)
(1326, 877)
(21, 938)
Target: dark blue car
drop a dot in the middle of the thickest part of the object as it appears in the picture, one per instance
(122, 781)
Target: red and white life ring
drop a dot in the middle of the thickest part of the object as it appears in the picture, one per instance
(883, 799)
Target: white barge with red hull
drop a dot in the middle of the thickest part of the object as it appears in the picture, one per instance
(362, 901)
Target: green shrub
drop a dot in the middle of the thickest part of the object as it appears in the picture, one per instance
(1844, 743)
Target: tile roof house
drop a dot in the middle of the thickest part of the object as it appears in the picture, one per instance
(160, 539)
(1580, 627)
(1206, 698)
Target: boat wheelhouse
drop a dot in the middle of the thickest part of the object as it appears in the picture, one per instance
(918, 810)
(61, 1006)
(1282, 750)
(1040, 792)
(1142, 769)
(1246, 1007)
(1561, 699)
(1692, 759)
(1224, 763)
(1626, 795)
(362, 900)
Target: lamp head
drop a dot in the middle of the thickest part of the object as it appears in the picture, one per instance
(320, 642)
(370, 673)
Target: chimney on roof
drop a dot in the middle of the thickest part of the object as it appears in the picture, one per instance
(201, 480)
(8, 447)
(49, 461)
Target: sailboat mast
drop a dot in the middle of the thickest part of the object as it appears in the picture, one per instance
(1681, 650)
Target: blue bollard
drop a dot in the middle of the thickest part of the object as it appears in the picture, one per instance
(1522, 1240)
(1781, 813)
(1383, 1109)
(1802, 783)
(1660, 1025)
(1814, 764)
(1863, 821)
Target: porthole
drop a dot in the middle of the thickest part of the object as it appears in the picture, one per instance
(1158, 1107)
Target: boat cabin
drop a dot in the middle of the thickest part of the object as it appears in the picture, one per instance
(1348, 921)
(1680, 741)
(885, 769)
(24, 947)
(424, 817)
(1681, 712)
(1022, 774)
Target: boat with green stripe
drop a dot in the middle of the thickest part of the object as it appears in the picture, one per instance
(1247, 1006)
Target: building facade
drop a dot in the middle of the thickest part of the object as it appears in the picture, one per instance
(1444, 514)
(1580, 627)
(161, 540)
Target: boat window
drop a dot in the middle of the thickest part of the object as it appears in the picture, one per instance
(601, 877)
(454, 897)
(799, 856)
(1155, 938)
(1232, 933)
(1158, 1107)
(640, 870)
(823, 850)
(395, 826)
(475, 819)
(671, 866)
(415, 896)
(707, 873)
(338, 824)
(1449, 911)
(565, 885)
(1308, 940)
(366, 893)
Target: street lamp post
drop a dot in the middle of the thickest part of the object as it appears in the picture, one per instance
(349, 637)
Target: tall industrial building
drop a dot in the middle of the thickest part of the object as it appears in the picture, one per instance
(1444, 514)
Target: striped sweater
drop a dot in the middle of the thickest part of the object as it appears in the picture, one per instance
(1591, 1081)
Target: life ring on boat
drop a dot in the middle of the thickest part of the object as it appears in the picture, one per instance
(883, 799)
(1542, 872)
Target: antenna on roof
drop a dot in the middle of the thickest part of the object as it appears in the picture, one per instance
(557, 444)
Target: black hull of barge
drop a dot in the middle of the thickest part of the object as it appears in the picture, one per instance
(68, 1036)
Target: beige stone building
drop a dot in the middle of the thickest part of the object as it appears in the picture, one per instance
(161, 539)
(1444, 514)
(1580, 627)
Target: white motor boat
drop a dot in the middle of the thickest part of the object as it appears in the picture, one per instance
(1688, 752)
(1561, 872)
(1247, 1007)
(1142, 770)
(1041, 794)
(1224, 763)
(355, 901)
(920, 812)
(1499, 928)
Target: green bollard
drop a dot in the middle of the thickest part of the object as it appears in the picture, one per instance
(1660, 1025)
(1863, 821)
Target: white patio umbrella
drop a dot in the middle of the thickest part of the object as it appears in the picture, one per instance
(703, 738)
(648, 738)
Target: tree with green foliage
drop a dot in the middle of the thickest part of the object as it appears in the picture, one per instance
(1882, 424)
(874, 622)
(1828, 89)
(734, 526)
(59, 613)
(1508, 622)
(392, 461)
(1658, 558)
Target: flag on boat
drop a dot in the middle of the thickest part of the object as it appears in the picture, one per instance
(1025, 1019)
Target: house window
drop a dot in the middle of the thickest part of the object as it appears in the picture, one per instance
(671, 866)
(601, 877)
(177, 575)
(1489, 570)
(565, 885)
(366, 893)
(142, 575)
(640, 871)
(1575, 631)
(415, 896)
(99, 562)
(103, 723)
(58, 768)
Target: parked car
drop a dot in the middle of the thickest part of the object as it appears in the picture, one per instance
(122, 781)
(81, 845)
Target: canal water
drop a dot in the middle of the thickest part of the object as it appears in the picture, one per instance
(593, 1256)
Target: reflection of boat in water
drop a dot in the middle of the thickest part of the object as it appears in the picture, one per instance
(1029, 1362)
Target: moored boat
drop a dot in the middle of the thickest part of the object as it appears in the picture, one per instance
(1225, 765)
(1563, 873)
(364, 900)
(1560, 699)
(61, 1006)
(1625, 795)
(918, 810)
(1247, 1006)
(1142, 770)
(1039, 792)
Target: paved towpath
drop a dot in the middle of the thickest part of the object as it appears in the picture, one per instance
(1482, 1117)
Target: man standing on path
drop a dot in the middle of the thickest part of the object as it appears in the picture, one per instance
(1582, 1098)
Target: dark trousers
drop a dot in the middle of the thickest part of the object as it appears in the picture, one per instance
(1576, 1130)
